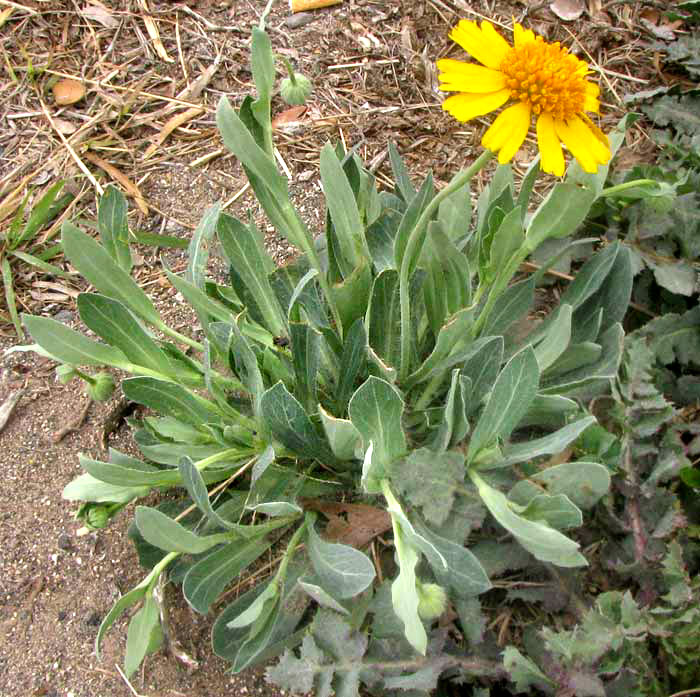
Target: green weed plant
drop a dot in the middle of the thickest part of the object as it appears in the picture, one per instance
(385, 368)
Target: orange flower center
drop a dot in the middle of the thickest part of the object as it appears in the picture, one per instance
(547, 77)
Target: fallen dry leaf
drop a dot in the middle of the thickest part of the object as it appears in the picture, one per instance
(288, 116)
(568, 10)
(65, 127)
(113, 172)
(68, 91)
(170, 125)
(99, 13)
(361, 524)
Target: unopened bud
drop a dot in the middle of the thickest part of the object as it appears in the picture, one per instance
(102, 387)
(432, 600)
(295, 91)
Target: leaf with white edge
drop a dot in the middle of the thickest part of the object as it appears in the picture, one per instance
(96, 265)
(512, 394)
(290, 424)
(352, 364)
(345, 440)
(552, 444)
(69, 346)
(306, 353)
(126, 601)
(585, 483)
(320, 596)
(144, 636)
(513, 305)
(429, 480)
(342, 571)
(375, 410)
(540, 540)
(265, 459)
(464, 574)
(165, 533)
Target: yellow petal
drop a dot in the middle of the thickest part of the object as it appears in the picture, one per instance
(598, 134)
(582, 143)
(590, 100)
(456, 76)
(508, 131)
(522, 36)
(465, 107)
(550, 148)
(483, 43)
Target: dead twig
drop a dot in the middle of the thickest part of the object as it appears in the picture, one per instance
(73, 426)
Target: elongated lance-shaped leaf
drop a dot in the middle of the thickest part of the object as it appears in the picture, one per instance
(512, 394)
(42, 212)
(241, 143)
(244, 251)
(455, 329)
(40, 264)
(402, 178)
(540, 540)
(352, 364)
(165, 533)
(263, 68)
(69, 346)
(375, 410)
(290, 424)
(172, 399)
(552, 444)
(343, 211)
(408, 223)
(560, 214)
(8, 284)
(556, 341)
(511, 306)
(97, 266)
(144, 635)
(206, 579)
(198, 252)
(306, 353)
(344, 438)
(342, 571)
(113, 226)
(384, 317)
(111, 321)
(352, 293)
(247, 366)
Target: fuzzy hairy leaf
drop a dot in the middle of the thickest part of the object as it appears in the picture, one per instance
(429, 480)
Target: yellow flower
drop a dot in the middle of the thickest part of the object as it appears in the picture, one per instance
(544, 79)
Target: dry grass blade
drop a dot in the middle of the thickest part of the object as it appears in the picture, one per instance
(170, 125)
(128, 185)
(152, 29)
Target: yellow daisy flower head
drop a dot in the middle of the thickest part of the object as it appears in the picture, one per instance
(543, 79)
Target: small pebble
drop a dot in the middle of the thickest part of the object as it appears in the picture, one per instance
(65, 316)
(93, 618)
(65, 542)
(300, 19)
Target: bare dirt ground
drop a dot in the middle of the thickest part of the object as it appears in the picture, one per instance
(143, 61)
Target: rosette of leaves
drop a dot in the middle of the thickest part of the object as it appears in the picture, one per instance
(388, 364)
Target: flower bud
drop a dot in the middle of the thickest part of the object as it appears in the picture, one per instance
(296, 90)
(101, 387)
(97, 517)
(432, 600)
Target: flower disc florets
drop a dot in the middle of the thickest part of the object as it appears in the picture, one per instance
(547, 77)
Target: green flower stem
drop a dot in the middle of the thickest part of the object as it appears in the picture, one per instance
(234, 453)
(150, 581)
(180, 337)
(412, 248)
(290, 70)
(289, 553)
(612, 190)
